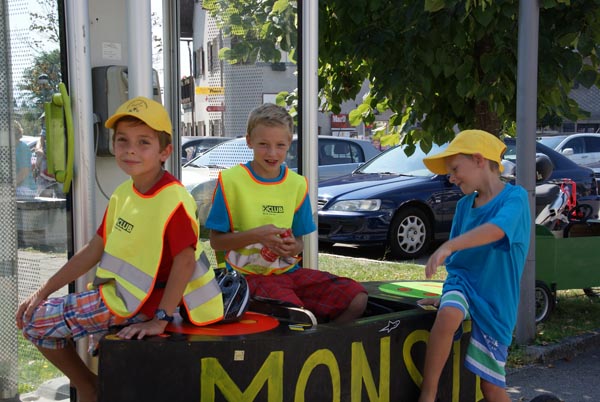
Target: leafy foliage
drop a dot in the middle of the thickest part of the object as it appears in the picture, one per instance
(453, 63)
(47, 63)
(46, 24)
(437, 65)
(258, 29)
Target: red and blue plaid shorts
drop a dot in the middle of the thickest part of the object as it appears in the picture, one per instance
(60, 319)
(325, 294)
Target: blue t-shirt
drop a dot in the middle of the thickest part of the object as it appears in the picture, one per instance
(23, 160)
(218, 218)
(490, 275)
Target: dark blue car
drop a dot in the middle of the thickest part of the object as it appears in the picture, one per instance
(394, 200)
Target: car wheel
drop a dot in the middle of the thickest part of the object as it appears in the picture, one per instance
(544, 301)
(410, 234)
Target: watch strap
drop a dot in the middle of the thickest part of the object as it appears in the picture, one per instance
(163, 316)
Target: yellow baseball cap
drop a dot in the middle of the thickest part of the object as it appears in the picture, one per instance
(468, 142)
(147, 110)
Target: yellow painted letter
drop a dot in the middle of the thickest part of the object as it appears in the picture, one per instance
(325, 357)
(361, 371)
(213, 375)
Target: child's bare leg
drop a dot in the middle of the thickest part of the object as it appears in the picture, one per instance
(438, 348)
(82, 378)
(355, 309)
(493, 393)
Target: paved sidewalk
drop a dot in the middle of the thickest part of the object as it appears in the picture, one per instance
(569, 370)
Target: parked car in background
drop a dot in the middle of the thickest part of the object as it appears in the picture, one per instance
(337, 156)
(581, 148)
(394, 200)
(193, 146)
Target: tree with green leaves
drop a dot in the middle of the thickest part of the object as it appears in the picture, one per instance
(44, 22)
(259, 30)
(41, 80)
(437, 65)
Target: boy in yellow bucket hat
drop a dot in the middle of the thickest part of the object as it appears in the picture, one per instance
(147, 250)
(484, 258)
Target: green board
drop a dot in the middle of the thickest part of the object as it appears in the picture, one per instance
(417, 290)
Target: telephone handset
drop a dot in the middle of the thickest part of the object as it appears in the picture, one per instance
(59, 139)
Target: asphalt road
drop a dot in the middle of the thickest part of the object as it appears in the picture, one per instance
(573, 379)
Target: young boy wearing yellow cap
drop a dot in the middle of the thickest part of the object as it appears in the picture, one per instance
(147, 251)
(484, 258)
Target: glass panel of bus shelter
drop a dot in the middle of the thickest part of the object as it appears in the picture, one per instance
(33, 208)
(235, 56)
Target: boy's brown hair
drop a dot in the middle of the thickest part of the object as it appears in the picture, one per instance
(164, 138)
(270, 115)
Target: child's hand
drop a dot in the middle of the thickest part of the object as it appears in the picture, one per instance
(142, 329)
(436, 259)
(429, 303)
(289, 247)
(26, 309)
(271, 237)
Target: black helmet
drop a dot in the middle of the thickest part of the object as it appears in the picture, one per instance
(543, 167)
(236, 294)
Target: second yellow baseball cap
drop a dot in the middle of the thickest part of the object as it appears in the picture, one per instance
(468, 142)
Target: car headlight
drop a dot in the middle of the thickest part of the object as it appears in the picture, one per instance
(356, 205)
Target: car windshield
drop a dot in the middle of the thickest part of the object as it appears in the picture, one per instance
(552, 142)
(395, 161)
(224, 155)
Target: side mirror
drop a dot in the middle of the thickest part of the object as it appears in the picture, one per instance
(568, 152)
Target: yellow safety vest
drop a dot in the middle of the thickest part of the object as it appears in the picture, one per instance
(276, 204)
(134, 230)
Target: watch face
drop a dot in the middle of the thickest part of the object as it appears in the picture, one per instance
(162, 315)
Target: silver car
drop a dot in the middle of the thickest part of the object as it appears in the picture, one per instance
(337, 156)
(192, 146)
(581, 148)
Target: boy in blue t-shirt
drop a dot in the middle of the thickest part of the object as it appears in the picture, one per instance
(484, 257)
(259, 214)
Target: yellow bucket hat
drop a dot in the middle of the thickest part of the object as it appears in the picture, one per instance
(468, 142)
(147, 110)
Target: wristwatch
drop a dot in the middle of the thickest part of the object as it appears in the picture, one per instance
(163, 316)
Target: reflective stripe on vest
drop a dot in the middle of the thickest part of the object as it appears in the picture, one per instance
(202, 297)
(127, 273)
(277, 205)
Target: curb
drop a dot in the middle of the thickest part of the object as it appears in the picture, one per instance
(567, 348)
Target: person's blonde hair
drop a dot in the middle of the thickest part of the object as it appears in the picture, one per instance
(18, 128)
(270, 115)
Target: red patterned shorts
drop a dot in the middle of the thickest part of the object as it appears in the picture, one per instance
(325, 294)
